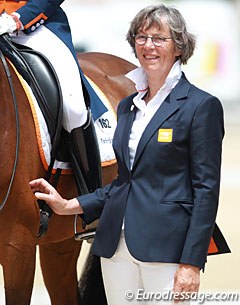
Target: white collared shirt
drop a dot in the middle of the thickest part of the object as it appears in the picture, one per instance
(145, 112)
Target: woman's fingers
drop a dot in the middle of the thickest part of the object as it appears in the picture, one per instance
(41, 185)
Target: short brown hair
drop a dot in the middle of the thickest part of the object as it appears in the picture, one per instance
(160, 14)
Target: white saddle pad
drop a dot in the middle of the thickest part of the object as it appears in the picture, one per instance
(105, 127)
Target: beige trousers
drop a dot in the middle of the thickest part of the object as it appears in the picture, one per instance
(128, 281)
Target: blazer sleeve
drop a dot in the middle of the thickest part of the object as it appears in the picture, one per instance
(205, 147)
(93, 203)
(36, 12)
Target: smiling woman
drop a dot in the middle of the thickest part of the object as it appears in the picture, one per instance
(157, 218)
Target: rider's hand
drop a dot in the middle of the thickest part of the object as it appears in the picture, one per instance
(9, 23)
(45, 191)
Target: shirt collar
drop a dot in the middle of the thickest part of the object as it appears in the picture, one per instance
(139, 77)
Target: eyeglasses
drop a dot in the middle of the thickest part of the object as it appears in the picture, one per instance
(158, 41)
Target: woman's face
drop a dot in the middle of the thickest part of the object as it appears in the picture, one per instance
(156, 59)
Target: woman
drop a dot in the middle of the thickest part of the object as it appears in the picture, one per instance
(158, 216)
(43, 26)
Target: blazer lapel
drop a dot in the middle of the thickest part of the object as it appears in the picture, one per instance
(168, 107)
(126, 134)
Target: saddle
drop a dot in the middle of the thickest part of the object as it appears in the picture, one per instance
(80, 147)
(39, 74)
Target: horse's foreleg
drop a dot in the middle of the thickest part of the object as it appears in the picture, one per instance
(19, 268)
(59, 269)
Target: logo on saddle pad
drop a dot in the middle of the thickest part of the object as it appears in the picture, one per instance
(105, 127)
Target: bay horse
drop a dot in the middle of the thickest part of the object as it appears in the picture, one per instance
(19, 218)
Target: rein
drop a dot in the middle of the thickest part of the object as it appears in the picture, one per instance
(8, 74)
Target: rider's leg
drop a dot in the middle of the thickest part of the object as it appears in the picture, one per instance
(44, 41)
(85, 157)
(76, 119)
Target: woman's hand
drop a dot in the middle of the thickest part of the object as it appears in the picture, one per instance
(186, 280)
(45, 191)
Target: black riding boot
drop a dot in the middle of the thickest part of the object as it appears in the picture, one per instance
(85, 157)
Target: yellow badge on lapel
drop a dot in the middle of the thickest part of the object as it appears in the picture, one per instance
(165, 135)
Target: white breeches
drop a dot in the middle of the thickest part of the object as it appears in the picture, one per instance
(128, 281)
(61, 58)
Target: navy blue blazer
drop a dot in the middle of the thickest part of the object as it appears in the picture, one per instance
(48, 12)
(169, 199)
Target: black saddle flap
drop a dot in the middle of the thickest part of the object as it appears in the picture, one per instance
(46, 79)
(41, 77)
